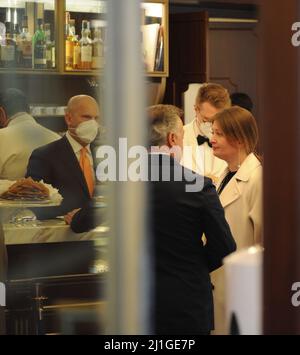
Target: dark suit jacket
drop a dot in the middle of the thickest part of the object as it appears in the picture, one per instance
(183, 292)
(57, 165)
(89, 217)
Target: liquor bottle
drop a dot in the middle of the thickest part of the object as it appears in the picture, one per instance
(2, 33)
(67, 23)
(8, 50)
(53, 56)
(39, 47)
(16, 31)
(72, 28)
(76, 54)
(17, 39)
(86, 46)
(50, 47)
(26, 45)
(98, 50)
(70, 40)
(68, 55)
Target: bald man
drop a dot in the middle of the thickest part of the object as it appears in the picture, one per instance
(67, 164)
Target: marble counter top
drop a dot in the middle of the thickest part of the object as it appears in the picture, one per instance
(51, 231)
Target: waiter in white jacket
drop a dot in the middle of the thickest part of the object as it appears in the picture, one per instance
(20, 134)
(198, 156)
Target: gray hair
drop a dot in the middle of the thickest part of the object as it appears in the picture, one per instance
(162, 122)
(156, 109)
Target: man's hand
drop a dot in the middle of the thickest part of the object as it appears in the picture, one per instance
(213, 178)
(68, 217)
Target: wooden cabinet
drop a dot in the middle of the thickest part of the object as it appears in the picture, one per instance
(188, 53)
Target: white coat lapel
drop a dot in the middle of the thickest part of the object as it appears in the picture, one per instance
(230, 193)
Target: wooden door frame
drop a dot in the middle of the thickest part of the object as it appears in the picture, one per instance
(280, 108)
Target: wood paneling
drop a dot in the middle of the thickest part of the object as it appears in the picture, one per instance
(280, 105)
(233, 59)
(51, 90)
(188, 54)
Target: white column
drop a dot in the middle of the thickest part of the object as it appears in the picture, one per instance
(243, 285)
(124, 114)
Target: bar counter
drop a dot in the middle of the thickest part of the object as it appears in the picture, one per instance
(50, 248)
(49, 231)
(52, 270)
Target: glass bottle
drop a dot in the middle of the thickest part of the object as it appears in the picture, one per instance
(8, 50)
(16, 32)
(17, 39)
(76, 54)
(39, 47)
(98, 50)
(67, 23)
(50, 53)
(25, 45)
(70, 41)
(86, 46)
(2, 33)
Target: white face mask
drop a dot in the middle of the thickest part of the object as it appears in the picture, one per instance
(87, 131)
(206, 129)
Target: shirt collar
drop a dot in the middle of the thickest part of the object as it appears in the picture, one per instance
(75, 145)
(158, 153)
(197, 128)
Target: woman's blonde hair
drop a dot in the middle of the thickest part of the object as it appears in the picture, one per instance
(239, 125)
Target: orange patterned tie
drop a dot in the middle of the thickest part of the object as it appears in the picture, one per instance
(87, 170)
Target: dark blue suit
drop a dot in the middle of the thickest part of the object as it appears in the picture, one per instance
(183, 291)
(57, 164)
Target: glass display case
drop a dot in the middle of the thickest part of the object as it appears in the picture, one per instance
(85, 29)
(28, 35)
(69, 37)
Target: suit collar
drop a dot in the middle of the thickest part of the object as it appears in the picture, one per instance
(72, 162)
(75, 145)
(162, 158)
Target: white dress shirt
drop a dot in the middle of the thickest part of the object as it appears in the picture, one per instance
(77, 148)
(201, 160)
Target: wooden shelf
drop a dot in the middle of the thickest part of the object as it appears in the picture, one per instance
(58, 14)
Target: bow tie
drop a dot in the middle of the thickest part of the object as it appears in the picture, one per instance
(202, 139)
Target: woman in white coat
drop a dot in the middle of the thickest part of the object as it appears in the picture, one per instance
(234, 139)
